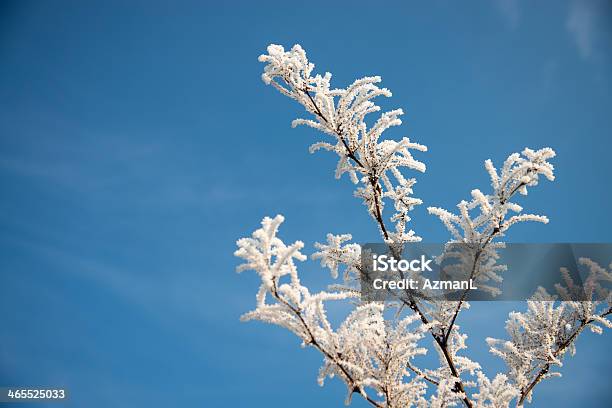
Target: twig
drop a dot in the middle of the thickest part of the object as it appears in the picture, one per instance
(351, 155)
(544, 370)
(421, 374)
(496, 230)
(312, 341)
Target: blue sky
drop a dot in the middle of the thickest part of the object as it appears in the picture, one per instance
(137, 143)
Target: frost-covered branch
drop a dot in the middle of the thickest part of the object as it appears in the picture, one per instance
(373, 164)
(540, 337)
(476, 235)
(475, 249)
(366, 351)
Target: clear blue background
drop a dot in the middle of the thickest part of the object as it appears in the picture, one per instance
(137, 143)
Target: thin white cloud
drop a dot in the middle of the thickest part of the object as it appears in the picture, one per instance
(580, 25)
(510, 11)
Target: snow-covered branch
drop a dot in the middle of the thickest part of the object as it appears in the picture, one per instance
(541, 336)
(374, 164)
(474, 240)
(366, 351)
(375, 350)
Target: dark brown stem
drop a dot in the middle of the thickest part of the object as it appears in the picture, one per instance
(421, 374)
(451, 364)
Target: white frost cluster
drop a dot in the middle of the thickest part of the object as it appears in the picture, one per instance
(473, 237)
(494, 394)
(294, 308)
(518, 173)
(373, 163)
(336, 253)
